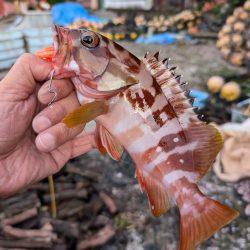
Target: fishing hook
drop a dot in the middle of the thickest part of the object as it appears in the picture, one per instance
(51, 90)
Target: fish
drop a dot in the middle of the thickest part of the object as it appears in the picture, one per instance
(140, 105)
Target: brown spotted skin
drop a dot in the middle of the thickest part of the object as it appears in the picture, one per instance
(154, 121)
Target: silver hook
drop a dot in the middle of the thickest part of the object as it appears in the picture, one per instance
(51, 90)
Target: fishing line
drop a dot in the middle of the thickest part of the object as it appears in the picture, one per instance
(50, 88)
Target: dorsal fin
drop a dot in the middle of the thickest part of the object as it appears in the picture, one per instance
(207, 137)
(171, 87)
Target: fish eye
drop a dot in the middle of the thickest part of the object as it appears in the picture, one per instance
(87, 39)
(90, 40)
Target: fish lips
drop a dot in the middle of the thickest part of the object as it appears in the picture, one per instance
(61, 52)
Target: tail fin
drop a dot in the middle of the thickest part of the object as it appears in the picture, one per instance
(201, 217)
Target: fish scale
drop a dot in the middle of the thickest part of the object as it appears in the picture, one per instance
(140, 105)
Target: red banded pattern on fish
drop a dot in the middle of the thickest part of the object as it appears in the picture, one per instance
(140, 105)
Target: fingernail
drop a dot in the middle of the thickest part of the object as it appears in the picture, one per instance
(46, 142)
(43, 94)
(41, 123)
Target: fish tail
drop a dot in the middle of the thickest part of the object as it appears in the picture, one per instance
(200, 217)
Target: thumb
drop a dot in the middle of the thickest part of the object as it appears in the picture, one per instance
(26, 72)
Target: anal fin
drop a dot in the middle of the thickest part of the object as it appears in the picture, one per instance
(157, 195)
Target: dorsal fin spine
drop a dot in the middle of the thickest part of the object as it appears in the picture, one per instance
(166, 61)
(156, 55)
(170, 84)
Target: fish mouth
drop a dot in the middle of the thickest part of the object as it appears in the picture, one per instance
(61, 44)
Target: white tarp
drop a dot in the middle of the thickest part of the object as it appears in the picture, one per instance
(128, 4)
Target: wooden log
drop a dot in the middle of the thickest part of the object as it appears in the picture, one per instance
(4, 248)
(43, 234)
(17, 204)
(19, 198)
(70, 208)
(44, 187)
(67, 195)
(86, 173)
(98, 239)
(67, 228)
(95, 205)
(109, 202)
(25, 215)
(83, 184)
(28, 244)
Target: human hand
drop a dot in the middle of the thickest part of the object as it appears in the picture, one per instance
(24, 156)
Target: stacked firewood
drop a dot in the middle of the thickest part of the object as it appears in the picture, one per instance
(234, 37)
(84, 214)
(117, 29)
(185, 20)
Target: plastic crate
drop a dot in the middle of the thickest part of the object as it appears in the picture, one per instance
(13, 53)
(38, 38)
(11, 47)
(6, 64)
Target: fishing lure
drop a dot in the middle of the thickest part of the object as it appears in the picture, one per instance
(141, 106)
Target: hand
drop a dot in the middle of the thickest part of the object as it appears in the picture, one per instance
(24, 157)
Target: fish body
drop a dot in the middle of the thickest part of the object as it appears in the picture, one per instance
(147, 113)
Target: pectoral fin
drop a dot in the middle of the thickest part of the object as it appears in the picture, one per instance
(85, 113)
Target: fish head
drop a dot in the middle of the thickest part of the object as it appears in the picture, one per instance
(97, 62)
(80, 52)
